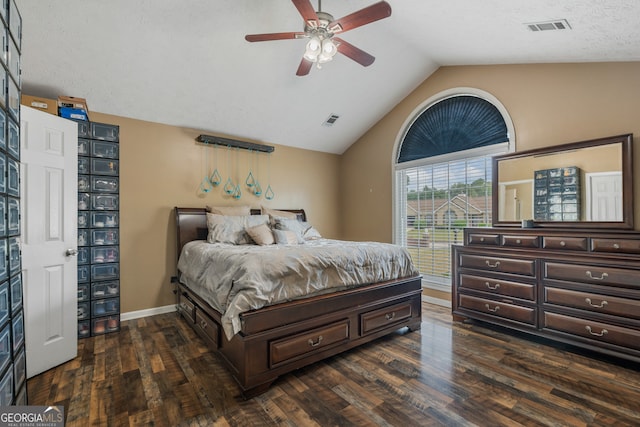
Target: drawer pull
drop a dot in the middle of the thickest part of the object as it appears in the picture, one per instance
(315, 344)
(494, 265)
(563, 243)
(602, 277)
(601, 305)
(616, 246)
(493, 288)
(482, 239)
(518, 241)
(390, 316)
(601, 333)
(203, 324)
(493, 310)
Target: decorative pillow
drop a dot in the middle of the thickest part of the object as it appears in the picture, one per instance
(229, 210)
(298, 227)
(311, 234)
(280, 214)
(286, 237)
(261, 234)
(232, 228)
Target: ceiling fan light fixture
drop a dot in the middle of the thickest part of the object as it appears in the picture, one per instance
(329, 50)
(313, 49)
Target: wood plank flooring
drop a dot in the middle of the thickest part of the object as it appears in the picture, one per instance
(156, 371)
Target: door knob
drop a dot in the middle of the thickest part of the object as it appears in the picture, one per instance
(72, 252)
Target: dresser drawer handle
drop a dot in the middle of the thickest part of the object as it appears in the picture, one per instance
(518, 241)
(316, 343)
(563, 243)
(203, 324)
(616, 246)
(493, 310)
(390, 316)
(482, 239)
(494, 265)
(493, 288)
(591, 276)
(601, 333)
(601, 305)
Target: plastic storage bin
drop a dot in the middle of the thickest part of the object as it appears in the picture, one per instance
(5, 346)
(104, 166)
(83, 129)
(4, 303)
(84, 147)
(83, 273)
(83, 292)
(83, 219)
(15, 290)
(104, 184)
(14, 256)
(83, 237)
(4, 261)
(13, 139)
(108, 202)
(84, 329)
(84, 183)
(83, 255)
(13, 216)
(17, 331)
(105, 271)
(104, 254)
(108, 150)
(105, 307)
(106, 289)
(13, 178)
(6, 388)
(3, 173)
(105, 219)
(3, 216)
(104, 237)
(83, 165)
(104, 131)
(19, 369)
(83, 310)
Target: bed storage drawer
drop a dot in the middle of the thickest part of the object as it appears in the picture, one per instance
(186, 307)
(294, 347)
(207, 327)
(384, 317)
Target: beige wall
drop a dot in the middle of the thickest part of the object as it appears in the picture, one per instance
(549, 104)
(161, 167)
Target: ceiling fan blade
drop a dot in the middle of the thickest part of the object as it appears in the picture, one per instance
(350, 51)
(304, 67)
(273, 36)
(364, 16)
(306, 10)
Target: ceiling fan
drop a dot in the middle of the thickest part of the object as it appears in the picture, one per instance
(320, 28)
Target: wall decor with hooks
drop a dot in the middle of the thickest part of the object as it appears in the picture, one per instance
(232, 188)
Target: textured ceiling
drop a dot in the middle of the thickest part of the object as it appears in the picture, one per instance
(186, 63)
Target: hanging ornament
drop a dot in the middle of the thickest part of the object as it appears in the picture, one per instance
(205, 184)
(250, 181)
(269, 193)
(215, 179)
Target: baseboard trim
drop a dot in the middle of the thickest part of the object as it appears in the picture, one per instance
(436, 301)
(146, 313)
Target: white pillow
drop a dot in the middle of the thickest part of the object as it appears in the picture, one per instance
(229, 210)
(286, 237)
(261, 234)
(232, 228)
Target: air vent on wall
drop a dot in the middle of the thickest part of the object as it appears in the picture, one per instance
(557, 24)
(331, 120)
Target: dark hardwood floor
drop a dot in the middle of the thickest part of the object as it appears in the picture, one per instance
(156, 371)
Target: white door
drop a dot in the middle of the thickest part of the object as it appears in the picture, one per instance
(49, 171)
(604, 196)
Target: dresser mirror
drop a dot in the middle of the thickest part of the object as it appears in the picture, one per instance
(587, 184)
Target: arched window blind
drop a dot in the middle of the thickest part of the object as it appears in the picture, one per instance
(453, 124)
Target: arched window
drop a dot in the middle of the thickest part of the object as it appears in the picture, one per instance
(442, 166)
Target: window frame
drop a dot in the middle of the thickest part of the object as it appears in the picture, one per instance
(399, 207)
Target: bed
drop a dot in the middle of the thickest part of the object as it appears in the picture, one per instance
(260, 344)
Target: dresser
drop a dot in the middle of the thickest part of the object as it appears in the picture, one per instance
(579, 287)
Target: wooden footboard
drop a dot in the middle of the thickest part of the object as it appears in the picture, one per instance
(281, 338)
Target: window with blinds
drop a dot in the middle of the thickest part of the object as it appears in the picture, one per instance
(443, 181)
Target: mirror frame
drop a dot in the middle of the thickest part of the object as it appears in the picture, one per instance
(627, 183)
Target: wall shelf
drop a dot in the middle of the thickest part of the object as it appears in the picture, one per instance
(227, 142)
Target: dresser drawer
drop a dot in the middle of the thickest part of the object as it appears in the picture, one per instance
(499, 287)
(629, 246)
(592, 274)
(483, 239)
(207, 327)
(521, 241)
(596, 303)
(292, 348)
(384, 317)
(503, 265)
(568, 243)
(498, 308)
(596, 331)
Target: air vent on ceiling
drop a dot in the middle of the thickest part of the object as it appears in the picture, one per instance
(331, 120)
(557, 24)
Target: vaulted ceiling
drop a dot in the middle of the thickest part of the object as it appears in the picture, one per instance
(186, 63)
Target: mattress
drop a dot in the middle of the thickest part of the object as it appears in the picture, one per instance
(234, 279)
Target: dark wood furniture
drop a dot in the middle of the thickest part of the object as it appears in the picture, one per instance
(278, 339)
(580, 287)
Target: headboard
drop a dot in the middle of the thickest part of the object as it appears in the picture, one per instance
(191, 223)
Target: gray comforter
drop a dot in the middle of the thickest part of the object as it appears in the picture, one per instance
(239, 278)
